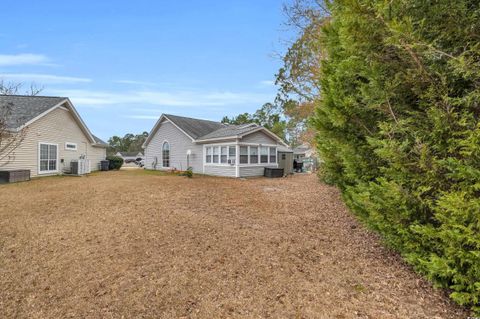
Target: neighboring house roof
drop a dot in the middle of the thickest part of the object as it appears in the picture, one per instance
(284, 149)
(301, 149)
(23, 110)
(195, 128)
(99, 141)
(203, 130)
(130, 154)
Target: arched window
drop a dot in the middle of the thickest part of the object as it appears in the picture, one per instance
(166, 154)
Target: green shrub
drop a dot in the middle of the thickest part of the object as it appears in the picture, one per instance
(398, 128)
(188, 173)
(115, 162)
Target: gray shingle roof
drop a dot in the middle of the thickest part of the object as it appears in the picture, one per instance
(301, 149)
(228, 131)
(23, 108)
(284, 149)
(99, 140)
(194, 127)
(202, 130)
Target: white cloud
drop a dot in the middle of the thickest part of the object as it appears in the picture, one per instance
(23, 59)
(43, 78)
(163, 98)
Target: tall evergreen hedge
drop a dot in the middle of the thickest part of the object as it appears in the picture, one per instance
(398, 126)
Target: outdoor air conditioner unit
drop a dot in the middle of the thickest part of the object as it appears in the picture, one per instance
(80, 167)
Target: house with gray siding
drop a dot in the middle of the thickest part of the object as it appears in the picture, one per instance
(209, 147)
(50, 134)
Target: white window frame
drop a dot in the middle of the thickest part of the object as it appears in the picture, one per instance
(269, 154)
(217, 150)
(258, 155)
(236, 159)
(71, 149)
(222, 148)
(218, 147)
(169, 155)
(240, 154)
(40, 172)
(263, 147)
(231, 160)
(208, 148)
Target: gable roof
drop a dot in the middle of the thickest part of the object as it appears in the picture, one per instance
(204, 130)
(99, 141)
(230, 131)
(23, 110)
(195, 128)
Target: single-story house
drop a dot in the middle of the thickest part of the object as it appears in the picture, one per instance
(303, 151)
(211, 148)
(50, 134)
(130, 156)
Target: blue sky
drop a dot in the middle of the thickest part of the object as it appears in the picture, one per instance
(123, 63)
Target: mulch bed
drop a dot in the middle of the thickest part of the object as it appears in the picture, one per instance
(137, 244)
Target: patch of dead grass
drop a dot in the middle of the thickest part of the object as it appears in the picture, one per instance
(140, 244)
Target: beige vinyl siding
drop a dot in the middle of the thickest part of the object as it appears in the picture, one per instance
(258, 137)
(220, 170)
(179, 144)
(56, 127)
(95, 155)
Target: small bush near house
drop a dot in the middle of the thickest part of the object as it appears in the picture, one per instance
(116, 162)
(188, 173)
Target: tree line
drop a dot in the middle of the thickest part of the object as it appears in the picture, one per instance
(128, 143)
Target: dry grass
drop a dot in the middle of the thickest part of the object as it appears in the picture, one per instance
(135, 244)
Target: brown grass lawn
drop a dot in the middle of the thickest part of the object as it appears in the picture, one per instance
(136, 244)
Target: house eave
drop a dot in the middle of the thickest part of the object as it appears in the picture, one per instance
(218, 139)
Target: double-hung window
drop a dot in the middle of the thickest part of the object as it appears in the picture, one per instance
(223, 154)
(253, 154)
(232, 154)
(48, 158)
(209, 155)
(215, 154)
(243, 154)
(273, 154)
(263, 154)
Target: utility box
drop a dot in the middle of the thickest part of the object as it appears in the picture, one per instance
(13, 176)
(104, 165)
(80, 167)
(273, 172)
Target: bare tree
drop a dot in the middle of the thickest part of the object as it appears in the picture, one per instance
(11, 136)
